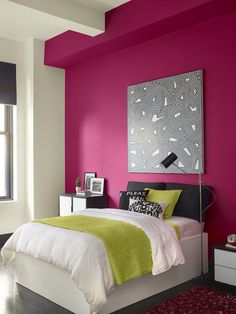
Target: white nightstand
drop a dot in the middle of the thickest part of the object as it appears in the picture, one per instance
(225, 264)
(69, 203)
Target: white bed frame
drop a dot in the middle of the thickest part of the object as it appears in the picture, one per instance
(56, 285)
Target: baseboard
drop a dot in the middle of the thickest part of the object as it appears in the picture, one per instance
(4, 238)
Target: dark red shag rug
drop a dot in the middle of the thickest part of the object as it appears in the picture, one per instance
(198, 300)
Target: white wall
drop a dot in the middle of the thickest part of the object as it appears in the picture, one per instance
(29, 131)
(49, 128)
(40, 135)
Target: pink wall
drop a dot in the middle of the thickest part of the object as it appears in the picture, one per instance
(96, 112)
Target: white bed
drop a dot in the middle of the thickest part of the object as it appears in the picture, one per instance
(56, 284)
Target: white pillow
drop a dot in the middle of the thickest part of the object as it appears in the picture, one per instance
(148, 208)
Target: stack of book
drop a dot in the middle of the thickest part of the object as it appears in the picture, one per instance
(83, 193)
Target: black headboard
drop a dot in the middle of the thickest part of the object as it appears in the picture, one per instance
(138, 186)
(188, 203)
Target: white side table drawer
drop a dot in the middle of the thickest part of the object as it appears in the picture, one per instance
(225, 274)
(79, 204)
(65, 205)
(225, 264)
(225, 258)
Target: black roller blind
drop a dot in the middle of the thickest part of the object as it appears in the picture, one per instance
(7, 83)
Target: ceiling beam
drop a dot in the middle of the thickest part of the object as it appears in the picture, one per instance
(66, 14)
(123, 31)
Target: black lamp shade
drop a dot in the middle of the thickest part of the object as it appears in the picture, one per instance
(7, 83)
(169, 160)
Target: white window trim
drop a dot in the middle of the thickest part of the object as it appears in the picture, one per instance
(9, 118)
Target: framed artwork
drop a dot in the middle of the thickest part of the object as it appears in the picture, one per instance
(97, 185)
(87, 179)
(164, 116)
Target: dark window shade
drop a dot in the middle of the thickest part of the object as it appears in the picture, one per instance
(7, 83)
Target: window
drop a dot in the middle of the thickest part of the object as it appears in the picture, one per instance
(7, 100)
(6, 152)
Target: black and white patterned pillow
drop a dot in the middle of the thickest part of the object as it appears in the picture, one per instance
(148, 208)
(126, 195)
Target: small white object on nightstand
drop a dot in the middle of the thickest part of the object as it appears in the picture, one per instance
(230, 246)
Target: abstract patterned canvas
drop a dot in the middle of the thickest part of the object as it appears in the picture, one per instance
(166, 116)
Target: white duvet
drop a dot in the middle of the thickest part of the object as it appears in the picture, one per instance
(84, 256)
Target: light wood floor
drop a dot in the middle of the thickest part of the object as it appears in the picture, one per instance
(15, 299)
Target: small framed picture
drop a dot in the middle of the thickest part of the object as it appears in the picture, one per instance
(97, 185)
(87, 179)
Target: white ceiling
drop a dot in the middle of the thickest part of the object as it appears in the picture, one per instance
(102, 5)
(24, 19)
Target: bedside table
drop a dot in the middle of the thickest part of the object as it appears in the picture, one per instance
(69, 203)
(225, 264)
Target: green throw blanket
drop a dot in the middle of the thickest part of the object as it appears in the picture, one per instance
(128, 247)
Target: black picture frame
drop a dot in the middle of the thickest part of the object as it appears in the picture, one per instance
(97, 185)
(87, 180)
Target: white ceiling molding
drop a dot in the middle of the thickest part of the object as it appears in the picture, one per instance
(66, 14)
(43, 19)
